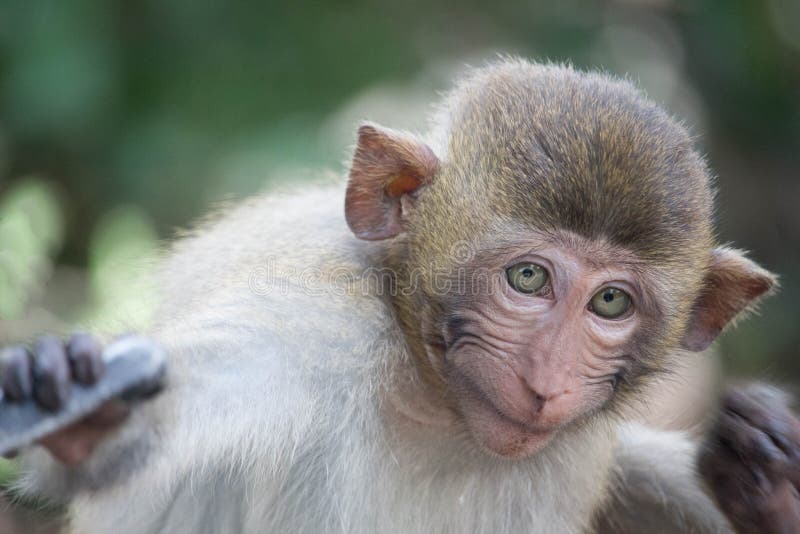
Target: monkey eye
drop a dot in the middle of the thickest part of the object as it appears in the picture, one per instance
(610, 303)
(527, 277)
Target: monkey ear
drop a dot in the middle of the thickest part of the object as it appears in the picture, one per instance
(732, 284)
(389, 169)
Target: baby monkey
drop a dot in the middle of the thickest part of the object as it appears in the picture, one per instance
(454, 354)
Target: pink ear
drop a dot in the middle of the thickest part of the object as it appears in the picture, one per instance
(732, 283)
(388, 168)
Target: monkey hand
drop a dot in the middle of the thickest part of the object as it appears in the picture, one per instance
(69, 396)
(751, 460)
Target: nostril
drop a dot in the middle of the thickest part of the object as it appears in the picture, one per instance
(538, 401)
(540, 394)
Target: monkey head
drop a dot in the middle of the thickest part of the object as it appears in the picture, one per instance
(552, 244)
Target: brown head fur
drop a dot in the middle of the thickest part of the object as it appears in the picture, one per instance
(545, 148)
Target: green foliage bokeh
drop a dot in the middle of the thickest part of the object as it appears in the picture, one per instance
(121, 120)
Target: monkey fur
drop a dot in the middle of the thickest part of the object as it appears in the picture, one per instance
(312, 383)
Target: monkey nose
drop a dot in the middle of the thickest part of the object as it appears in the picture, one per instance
(538, 401)
(539, 396)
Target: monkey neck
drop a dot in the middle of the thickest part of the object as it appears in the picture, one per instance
(412, 400)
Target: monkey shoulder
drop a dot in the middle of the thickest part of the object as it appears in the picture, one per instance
(271, 247)
(282, 268)
(272, 300)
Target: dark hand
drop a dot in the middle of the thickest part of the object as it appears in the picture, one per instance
(47, 376)
(751, 461)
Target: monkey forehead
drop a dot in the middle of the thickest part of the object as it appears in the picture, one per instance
(563, 149)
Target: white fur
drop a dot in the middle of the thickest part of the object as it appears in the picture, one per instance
(275, 418)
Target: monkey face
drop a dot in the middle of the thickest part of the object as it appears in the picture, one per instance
(590, 254)
(539, 339)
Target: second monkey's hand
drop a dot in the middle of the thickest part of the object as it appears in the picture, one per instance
(69, 396)
(751, 460)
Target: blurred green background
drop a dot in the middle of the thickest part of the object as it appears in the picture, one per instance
(121, 121)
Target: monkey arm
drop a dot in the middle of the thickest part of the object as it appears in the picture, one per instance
(206, 416)
(655, 488)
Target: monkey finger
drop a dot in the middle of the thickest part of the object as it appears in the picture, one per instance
(51, 373)
(766, 408)
(758, 423)
(789, 442)
(85, 355)
(750, 443)
(16, 379)
(753, 403)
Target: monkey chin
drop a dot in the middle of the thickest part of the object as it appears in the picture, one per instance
(513, 444)
(498, 435)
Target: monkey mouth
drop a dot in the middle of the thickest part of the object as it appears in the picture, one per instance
(528, 425)
(498, 433)
(502, 436)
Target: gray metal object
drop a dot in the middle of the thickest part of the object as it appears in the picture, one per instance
(135, 368)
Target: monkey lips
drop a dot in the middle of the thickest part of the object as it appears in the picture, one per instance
(500, 434)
